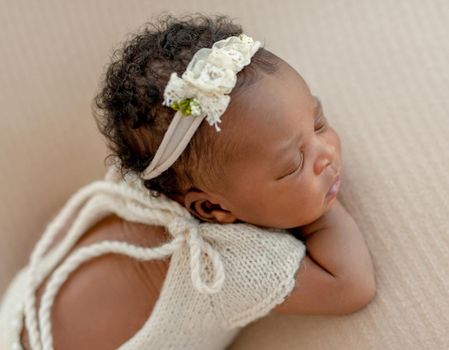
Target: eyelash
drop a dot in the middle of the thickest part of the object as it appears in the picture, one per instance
(299, 167)
(321, 128)
(323, 125)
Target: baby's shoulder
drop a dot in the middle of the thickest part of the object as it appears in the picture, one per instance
(108, 299)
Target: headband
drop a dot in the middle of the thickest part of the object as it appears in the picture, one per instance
(200, 93)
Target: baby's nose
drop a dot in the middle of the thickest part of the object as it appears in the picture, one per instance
(325, 158)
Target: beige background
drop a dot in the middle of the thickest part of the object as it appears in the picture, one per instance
(381, 70)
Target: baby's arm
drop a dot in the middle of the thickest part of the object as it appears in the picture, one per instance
(336, 276)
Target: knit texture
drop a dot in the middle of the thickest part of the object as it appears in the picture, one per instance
(220, 278)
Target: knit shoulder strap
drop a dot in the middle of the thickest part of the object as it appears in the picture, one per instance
(94, 202)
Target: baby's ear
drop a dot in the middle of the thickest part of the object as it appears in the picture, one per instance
(201, 205)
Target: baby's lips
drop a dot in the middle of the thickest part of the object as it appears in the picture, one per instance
(334, 188)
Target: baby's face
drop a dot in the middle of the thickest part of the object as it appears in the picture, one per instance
(285, 169)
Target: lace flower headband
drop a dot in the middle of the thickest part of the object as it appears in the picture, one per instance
(200, 93)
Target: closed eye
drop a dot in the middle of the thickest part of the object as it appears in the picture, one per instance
(298, 168)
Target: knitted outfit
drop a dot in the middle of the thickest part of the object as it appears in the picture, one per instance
(220, 278)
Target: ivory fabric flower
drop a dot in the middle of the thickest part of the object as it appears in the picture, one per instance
(238, 48)
(210, 75)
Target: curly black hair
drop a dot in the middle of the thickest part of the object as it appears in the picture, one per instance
(129, 110)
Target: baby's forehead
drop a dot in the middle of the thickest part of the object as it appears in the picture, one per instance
(265, 114)
(273, 100)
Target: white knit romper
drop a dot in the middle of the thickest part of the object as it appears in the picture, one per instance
(220, 278)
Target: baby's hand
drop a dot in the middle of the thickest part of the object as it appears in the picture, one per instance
(336, 275)
(336, 243)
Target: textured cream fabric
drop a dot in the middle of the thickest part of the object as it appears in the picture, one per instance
(381, 70)
(256, 269)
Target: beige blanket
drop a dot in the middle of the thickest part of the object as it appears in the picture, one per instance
(381, 69)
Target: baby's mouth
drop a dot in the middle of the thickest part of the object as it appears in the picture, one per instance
(334, 188)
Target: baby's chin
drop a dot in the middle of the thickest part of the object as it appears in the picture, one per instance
(310, 220)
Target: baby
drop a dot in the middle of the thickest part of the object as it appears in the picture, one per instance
(265, 161)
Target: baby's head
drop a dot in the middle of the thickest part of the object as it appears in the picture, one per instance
(276, 159)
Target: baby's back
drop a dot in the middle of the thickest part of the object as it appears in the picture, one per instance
(108, 299)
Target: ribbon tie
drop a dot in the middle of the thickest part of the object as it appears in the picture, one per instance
(189, 229)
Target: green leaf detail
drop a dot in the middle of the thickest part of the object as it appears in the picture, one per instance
(185, 105)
